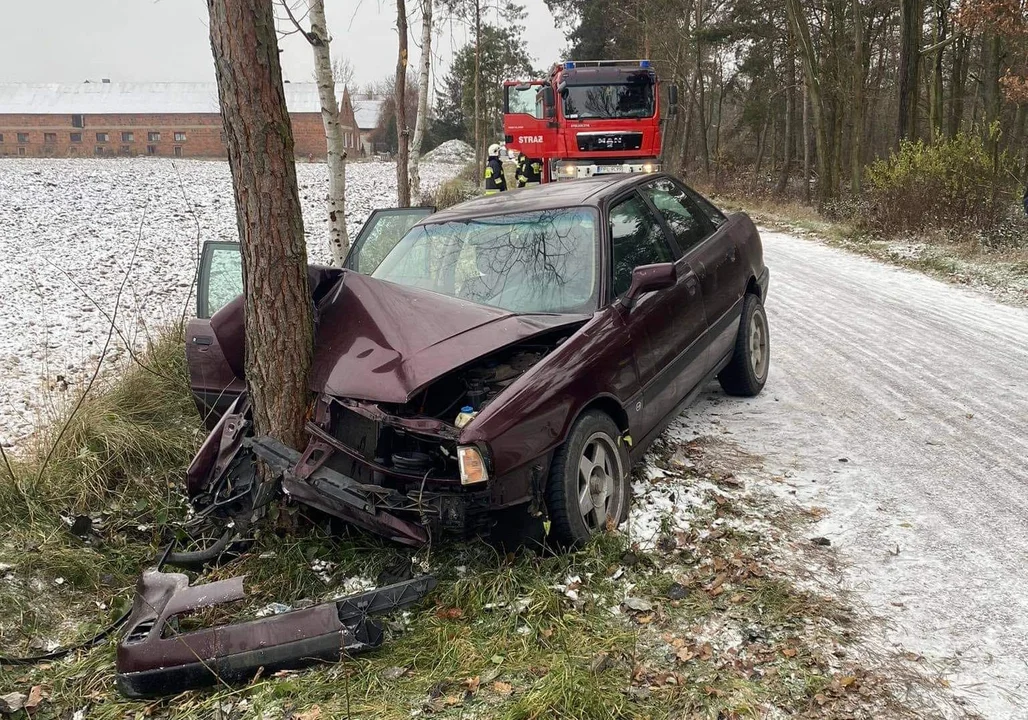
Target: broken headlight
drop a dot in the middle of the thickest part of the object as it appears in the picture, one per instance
(472, 465)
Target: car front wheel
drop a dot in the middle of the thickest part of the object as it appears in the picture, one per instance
(746, 373)
(588, 485)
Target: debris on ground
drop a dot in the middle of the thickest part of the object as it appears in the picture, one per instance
(12, 702)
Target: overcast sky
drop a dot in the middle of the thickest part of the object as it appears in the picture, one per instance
(167, 40)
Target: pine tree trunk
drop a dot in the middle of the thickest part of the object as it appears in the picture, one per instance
(422, 121)
(958, 84)
(857, 143)
(338, 240)
(822, 139)
(992, 97)
(278, 316)
(400, 100)
(936, 108)
(806, 144)
(790, 112)
(911, 17)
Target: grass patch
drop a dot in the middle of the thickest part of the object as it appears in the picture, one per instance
(123, 450)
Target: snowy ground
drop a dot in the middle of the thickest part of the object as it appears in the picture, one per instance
(68, 229)
(899, 404)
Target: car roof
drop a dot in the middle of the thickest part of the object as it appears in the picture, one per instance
(570, 193)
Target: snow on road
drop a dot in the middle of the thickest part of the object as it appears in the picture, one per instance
(67, 233)
(900, 405)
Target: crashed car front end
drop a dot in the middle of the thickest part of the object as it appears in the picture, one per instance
(391, 421)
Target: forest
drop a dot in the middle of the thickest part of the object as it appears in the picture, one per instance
(835, 100)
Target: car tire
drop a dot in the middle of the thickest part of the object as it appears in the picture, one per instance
(589, 481)
(746, 372)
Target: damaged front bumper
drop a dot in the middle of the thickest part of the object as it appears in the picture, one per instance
(153, 659)
(403, 504)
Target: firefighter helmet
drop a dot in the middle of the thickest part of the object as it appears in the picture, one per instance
(494, 150)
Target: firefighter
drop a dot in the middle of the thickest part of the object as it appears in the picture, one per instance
(494, 180)
(529, 172)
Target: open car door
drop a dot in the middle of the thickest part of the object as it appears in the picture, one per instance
(220, 280)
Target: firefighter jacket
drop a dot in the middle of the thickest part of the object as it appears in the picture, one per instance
(494, 179)
(528, 171)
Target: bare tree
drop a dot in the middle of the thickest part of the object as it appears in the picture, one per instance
(277, 303)
(324, 72)
(400, 94)
(422, 120)
(343, 73)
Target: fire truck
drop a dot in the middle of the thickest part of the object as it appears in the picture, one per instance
(588, 118)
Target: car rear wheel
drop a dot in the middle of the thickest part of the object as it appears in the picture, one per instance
(746, 373)
(588, 483)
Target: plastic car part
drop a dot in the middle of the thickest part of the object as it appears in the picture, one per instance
(363, 505)
(155, 660)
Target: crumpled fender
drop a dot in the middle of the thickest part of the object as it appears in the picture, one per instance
(229, 327)
(220, 447)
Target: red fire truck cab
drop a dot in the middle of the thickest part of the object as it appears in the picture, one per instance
(588, 118)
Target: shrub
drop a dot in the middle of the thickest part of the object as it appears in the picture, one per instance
(454, 191)
(951, 185)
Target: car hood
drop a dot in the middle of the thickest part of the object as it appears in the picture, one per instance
(382, 342)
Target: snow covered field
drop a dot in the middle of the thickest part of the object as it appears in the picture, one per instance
(67, 233)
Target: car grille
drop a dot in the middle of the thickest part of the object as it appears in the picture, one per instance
(602, 141)
(357, 432)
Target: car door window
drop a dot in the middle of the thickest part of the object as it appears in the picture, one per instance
(685, 220)
(636, 239)
(380, 233)
(220, 277)
(716, 217)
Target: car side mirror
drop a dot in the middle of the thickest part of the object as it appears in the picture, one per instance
(549, 102)
(648, 278)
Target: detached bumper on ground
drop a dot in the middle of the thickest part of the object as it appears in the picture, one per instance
(155, 659)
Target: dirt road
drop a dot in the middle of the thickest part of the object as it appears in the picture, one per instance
(900, 404)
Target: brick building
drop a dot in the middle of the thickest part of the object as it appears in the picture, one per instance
(163, 119)
(367, 117)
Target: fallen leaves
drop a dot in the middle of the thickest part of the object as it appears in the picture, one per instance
(452, 613)
(34, 699)
(502, 688)
(314, 713)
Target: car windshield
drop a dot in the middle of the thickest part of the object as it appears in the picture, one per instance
(609, 101)
(535, 262)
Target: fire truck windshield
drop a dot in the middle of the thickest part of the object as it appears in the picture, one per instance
(628, 100)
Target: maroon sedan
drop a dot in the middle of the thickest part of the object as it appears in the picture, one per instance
(507, 358)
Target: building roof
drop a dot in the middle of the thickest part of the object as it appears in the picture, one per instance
(102, 98)
(367, 112)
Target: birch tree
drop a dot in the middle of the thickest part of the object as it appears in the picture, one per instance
(400, 95)
(320, 40)
(425, 67)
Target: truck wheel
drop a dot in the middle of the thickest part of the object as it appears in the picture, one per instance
(746, 373)
(588, 481)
